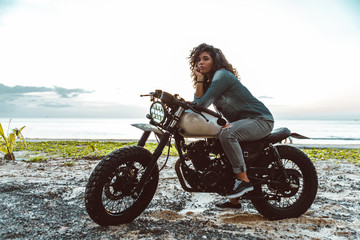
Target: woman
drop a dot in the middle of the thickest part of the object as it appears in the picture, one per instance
(216, 82)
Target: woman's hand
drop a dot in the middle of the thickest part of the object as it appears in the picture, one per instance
(199, 75)
(200, 81)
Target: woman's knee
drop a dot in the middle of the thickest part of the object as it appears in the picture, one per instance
(225, 135)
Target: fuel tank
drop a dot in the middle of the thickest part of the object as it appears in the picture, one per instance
(195, 126)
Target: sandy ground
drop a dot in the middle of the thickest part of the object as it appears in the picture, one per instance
(46, 201)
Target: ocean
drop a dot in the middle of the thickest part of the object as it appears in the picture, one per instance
(320, 131)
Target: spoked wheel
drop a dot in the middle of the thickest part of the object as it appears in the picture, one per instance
(287, 199)
(109, 198)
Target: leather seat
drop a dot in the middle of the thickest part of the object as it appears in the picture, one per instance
(277, 135)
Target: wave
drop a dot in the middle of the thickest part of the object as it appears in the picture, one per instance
(336, 138)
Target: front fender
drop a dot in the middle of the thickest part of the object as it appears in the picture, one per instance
(148, 128)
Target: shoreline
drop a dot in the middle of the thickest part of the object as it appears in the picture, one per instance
(298, 145)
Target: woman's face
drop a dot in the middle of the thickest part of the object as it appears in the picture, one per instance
(205, 63)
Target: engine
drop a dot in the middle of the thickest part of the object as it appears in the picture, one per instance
(208, 169)
(199, 154)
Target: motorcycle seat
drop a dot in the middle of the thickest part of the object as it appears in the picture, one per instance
(277, 135)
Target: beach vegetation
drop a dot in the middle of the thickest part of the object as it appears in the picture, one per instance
(339, 154)
(37, 159)
(8, 141)
(90, 150)
(96, 150)
(69, 164)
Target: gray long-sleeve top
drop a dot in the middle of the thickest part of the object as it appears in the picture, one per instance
(232, 98)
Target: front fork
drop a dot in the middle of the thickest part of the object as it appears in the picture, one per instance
(144, 138)
(155, 156)
(158, 151)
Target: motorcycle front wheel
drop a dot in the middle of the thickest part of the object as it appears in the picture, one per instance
(108, 196)
(281, 202)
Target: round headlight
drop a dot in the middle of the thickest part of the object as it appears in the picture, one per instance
(157, 112)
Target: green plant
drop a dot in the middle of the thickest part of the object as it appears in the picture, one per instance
(8, 143)
(69, 164)
(349, 155)
(91, 150)
(95, 150)
(37, 159)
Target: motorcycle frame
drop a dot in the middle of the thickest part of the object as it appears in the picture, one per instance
(163, 142)
(164, 139)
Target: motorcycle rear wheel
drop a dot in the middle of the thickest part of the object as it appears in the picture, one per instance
(108, 196)
(279, 203)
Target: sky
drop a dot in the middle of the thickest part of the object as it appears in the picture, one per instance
(92, 58)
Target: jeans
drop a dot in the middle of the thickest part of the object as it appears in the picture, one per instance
(249, 129)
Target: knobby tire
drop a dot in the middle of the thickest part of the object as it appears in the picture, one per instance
(308, 191)
(109, 169)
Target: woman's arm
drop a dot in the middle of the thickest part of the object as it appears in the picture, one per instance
(221, 81)
(200, 81)
(199, 90)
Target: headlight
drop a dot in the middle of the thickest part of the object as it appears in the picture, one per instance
(157, 112)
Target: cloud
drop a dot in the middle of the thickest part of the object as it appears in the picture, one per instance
(5, 4)
(36, 101)
(265, 97)
(20, 90)
(26, 101)
(54, 105)
(69, 93)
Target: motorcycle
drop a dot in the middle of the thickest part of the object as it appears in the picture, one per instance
(124, 182)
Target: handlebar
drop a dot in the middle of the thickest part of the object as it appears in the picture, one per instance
(170, 99)
(208, 111)
(156, 94)
(221, 121)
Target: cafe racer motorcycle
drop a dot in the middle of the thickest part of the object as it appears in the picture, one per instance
(123, 183)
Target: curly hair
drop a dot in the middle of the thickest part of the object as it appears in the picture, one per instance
(218, 59)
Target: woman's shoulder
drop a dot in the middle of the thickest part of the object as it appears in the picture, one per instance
(223, 73)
